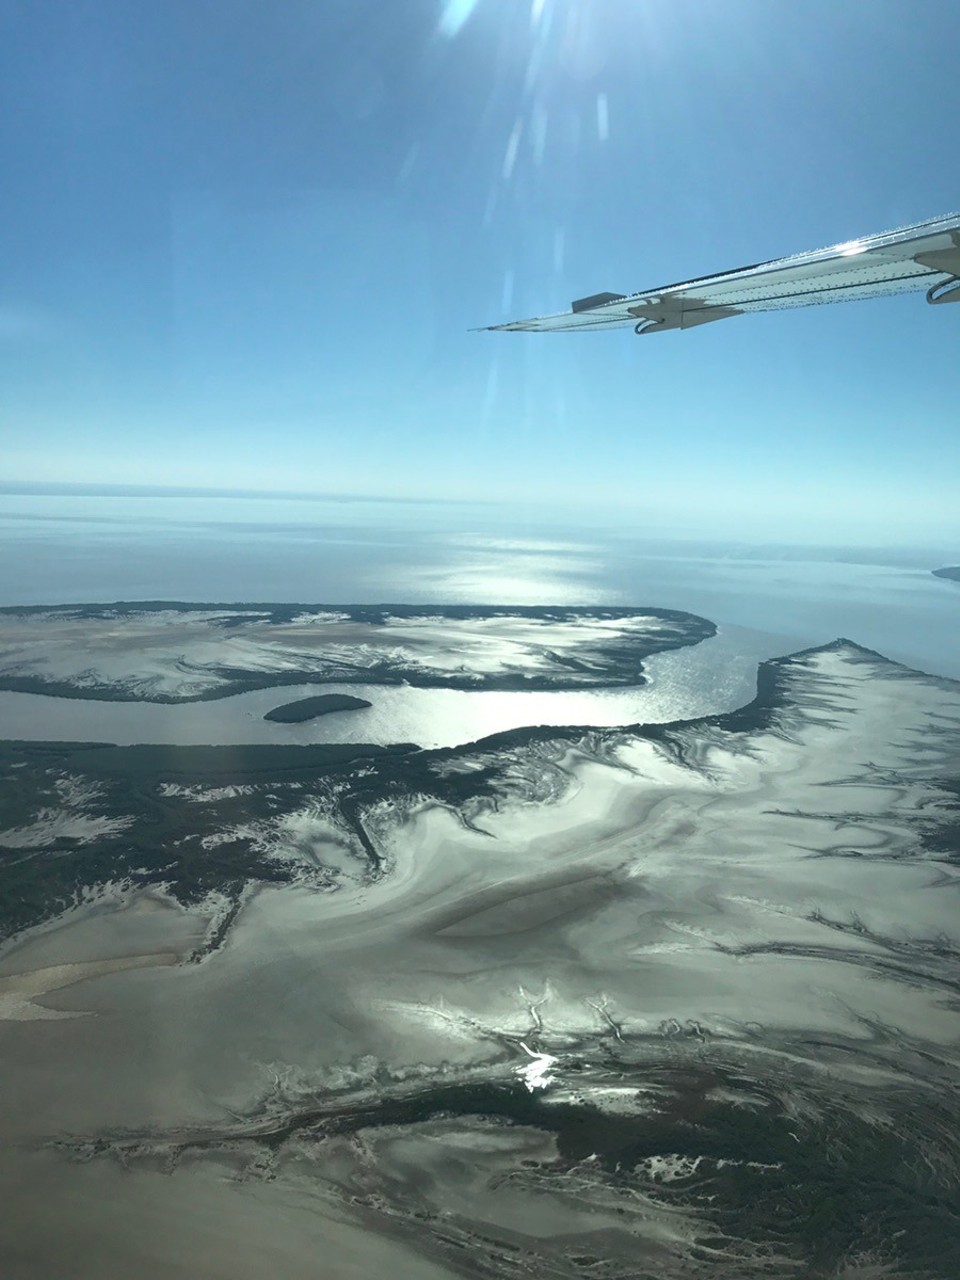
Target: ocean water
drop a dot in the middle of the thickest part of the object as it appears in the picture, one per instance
(767, 601)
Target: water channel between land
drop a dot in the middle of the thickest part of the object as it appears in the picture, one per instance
(717, 675)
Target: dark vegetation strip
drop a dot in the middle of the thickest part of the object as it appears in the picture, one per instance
(377, 614)
(240, 762)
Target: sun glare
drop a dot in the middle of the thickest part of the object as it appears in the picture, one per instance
(455, 14)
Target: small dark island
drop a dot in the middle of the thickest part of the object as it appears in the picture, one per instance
(951, 571)
(310, 708)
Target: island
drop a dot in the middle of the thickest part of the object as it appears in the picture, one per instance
(310, 708)
(174, 652)
(951, 571)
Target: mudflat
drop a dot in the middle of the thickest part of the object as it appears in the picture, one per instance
(648, 999)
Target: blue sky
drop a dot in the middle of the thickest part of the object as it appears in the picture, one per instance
(245, 244)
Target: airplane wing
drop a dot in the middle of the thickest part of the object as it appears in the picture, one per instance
(925, 255)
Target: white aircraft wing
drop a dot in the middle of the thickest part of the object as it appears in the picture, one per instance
(923, 256)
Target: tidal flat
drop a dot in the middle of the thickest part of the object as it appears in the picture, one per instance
(646, 1001)
(170, 652)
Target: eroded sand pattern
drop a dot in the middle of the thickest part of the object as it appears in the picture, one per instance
(664, 1002)
(175, 653)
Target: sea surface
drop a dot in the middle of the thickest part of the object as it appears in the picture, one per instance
(767, 601)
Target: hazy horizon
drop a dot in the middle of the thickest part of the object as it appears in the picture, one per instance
(734, 523)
